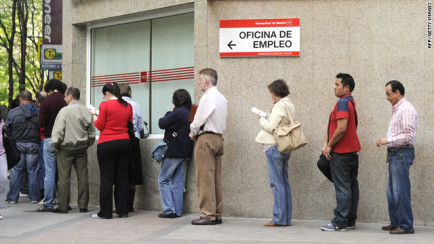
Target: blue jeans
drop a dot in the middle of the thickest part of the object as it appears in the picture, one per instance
(344, 168)
(50, 173)
(277, 164)
(29, 162)
(171, 181)
(41, 166)
(399, 188)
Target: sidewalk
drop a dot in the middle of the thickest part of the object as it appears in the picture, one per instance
(22, 224)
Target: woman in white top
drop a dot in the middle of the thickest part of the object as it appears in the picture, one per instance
(277, 163)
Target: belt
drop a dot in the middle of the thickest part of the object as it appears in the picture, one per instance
(348, 154)
(392, 149)
(207, 132)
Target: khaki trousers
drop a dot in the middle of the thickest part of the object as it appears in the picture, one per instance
(208, 154)
(65, 160)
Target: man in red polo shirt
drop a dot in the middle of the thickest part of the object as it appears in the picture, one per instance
(341, 146)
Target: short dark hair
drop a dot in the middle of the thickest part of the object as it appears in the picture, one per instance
(54, 84)
(346, 80)
(181, 97)
(26, 95)
(16, 102)
(75, 92)
(396, 85)
(211, 73)
(40, 97)
(279, 88)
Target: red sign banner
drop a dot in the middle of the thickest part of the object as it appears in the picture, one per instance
(145, 76)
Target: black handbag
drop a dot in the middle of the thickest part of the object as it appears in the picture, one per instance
(324, 165)
(13, 156)
(130, 126)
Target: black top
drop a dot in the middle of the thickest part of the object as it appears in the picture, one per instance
(48, 111)
(181, 146)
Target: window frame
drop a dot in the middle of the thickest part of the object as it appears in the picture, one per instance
(154, 14)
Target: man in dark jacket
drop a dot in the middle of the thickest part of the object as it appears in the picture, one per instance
(22, 125)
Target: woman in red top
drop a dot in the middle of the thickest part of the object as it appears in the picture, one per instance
(113, 151)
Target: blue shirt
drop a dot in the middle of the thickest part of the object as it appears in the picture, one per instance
(137, 116)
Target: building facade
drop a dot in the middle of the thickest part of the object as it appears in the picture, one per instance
(159, 46)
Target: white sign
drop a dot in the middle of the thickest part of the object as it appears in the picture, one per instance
(260, 37)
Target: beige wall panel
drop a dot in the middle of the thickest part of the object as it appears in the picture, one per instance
(375, 41)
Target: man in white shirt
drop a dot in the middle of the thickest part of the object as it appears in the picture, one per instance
(207, 127)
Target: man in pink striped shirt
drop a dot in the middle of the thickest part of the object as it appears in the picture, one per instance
(400, 139)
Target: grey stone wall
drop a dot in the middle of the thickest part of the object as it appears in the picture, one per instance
(375, 41)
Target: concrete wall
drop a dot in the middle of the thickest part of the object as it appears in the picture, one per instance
(375, 41)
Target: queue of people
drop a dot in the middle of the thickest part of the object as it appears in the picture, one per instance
(65, 129)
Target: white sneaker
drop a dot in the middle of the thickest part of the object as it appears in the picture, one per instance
(95, 216)
(1, 217)
(331, 227)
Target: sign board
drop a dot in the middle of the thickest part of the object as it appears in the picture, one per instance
(39, 48)
(53, 67)
(51, 57)
(52, 21)
(55, 75)
(259, 37)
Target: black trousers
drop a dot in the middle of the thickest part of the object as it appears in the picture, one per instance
(113, 160)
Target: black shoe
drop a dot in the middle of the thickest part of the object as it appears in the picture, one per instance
(170, 216)
(69, 208)
(57, 210)
(219, 221)
(44, 208)
(123, 216)
(203, 221)
(83, 210)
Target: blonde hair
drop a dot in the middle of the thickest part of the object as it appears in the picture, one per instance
(125, 89)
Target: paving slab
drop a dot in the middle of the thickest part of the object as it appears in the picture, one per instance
(22, 224)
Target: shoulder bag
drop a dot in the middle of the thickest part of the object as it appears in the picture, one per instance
(288, 134)
(160, 149)
(130, 125)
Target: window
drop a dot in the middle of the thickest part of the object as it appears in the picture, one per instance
(155, 57)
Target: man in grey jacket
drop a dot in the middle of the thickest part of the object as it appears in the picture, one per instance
(73, 132)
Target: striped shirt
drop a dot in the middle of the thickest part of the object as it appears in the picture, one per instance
(2, 148)
(403, 125)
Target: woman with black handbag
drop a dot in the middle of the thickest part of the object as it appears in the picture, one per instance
(113, 151)
(171, 177)
(277, 162)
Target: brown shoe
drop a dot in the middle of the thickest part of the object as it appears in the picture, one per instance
(271, 224)
(388, 227)
(203, 221)
(401, 231)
